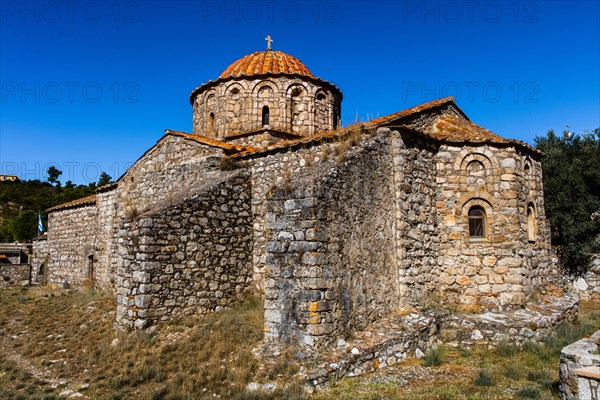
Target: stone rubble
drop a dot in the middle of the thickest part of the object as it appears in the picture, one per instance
(580, 370)
(394, 339)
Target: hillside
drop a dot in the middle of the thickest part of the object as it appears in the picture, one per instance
(60, 344)
(21, 201)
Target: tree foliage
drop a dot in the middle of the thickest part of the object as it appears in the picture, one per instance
(53, 175)
(104, 179)
(571, 171)
(24, 226)
(19, 200)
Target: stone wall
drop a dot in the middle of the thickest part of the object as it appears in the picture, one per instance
(389, 341)
(260, 138)
(190, 258)
(580, 370)
(330, 255)
(13, 275)
(83, 239)
(80, 245)
(588, 285)
(298, 105)
(277, 170)
(169, 171)
(506, 264)
(39, 260)
(106, 245)
(416, 233)
(71, 244)
(336, 232)
(536, 323)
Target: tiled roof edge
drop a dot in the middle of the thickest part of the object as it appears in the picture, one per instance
(107, 187)
(273, 132)
(84, 201)
(505, 143)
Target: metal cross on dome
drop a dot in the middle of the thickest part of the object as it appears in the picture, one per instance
(269, 41)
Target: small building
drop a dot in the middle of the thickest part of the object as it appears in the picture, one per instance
(8, 178)
(14, 264)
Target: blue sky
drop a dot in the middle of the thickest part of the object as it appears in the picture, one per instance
(90, 85)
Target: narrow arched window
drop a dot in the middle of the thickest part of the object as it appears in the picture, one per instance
(297, 112)
(211, 122)
(265, 116)
(531, 224)
(527, 168)
(477, 222)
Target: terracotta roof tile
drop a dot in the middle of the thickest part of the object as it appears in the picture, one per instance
(454, 129)
(107, 187)
(450, 127)
(266, 62)
(84, 201)
(410, 111)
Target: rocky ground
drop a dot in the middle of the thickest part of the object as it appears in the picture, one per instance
(62, 344)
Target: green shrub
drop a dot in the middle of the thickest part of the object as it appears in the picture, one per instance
(538, 376)
(506, 349)
(537, 350)
(528, 392)
(483, 378)
(433, 357)
(571, 196)
(160, 394)
(512, 372)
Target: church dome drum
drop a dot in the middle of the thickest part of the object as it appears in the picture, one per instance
(265, 91)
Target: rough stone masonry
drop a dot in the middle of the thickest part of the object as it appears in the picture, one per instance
(334, 228)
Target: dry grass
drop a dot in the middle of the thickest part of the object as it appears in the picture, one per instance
(56, 340)
(52, 337)
(346, 142)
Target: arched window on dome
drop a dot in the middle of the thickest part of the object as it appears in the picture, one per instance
(297, 116)
(321, 112)
(477, 222)
(265, 116)
(211, 124)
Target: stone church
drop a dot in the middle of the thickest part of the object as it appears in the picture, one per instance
(333, 227)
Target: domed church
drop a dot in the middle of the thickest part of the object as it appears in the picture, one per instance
(334, 227)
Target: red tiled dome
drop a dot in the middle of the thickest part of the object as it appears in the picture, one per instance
(266, 62)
